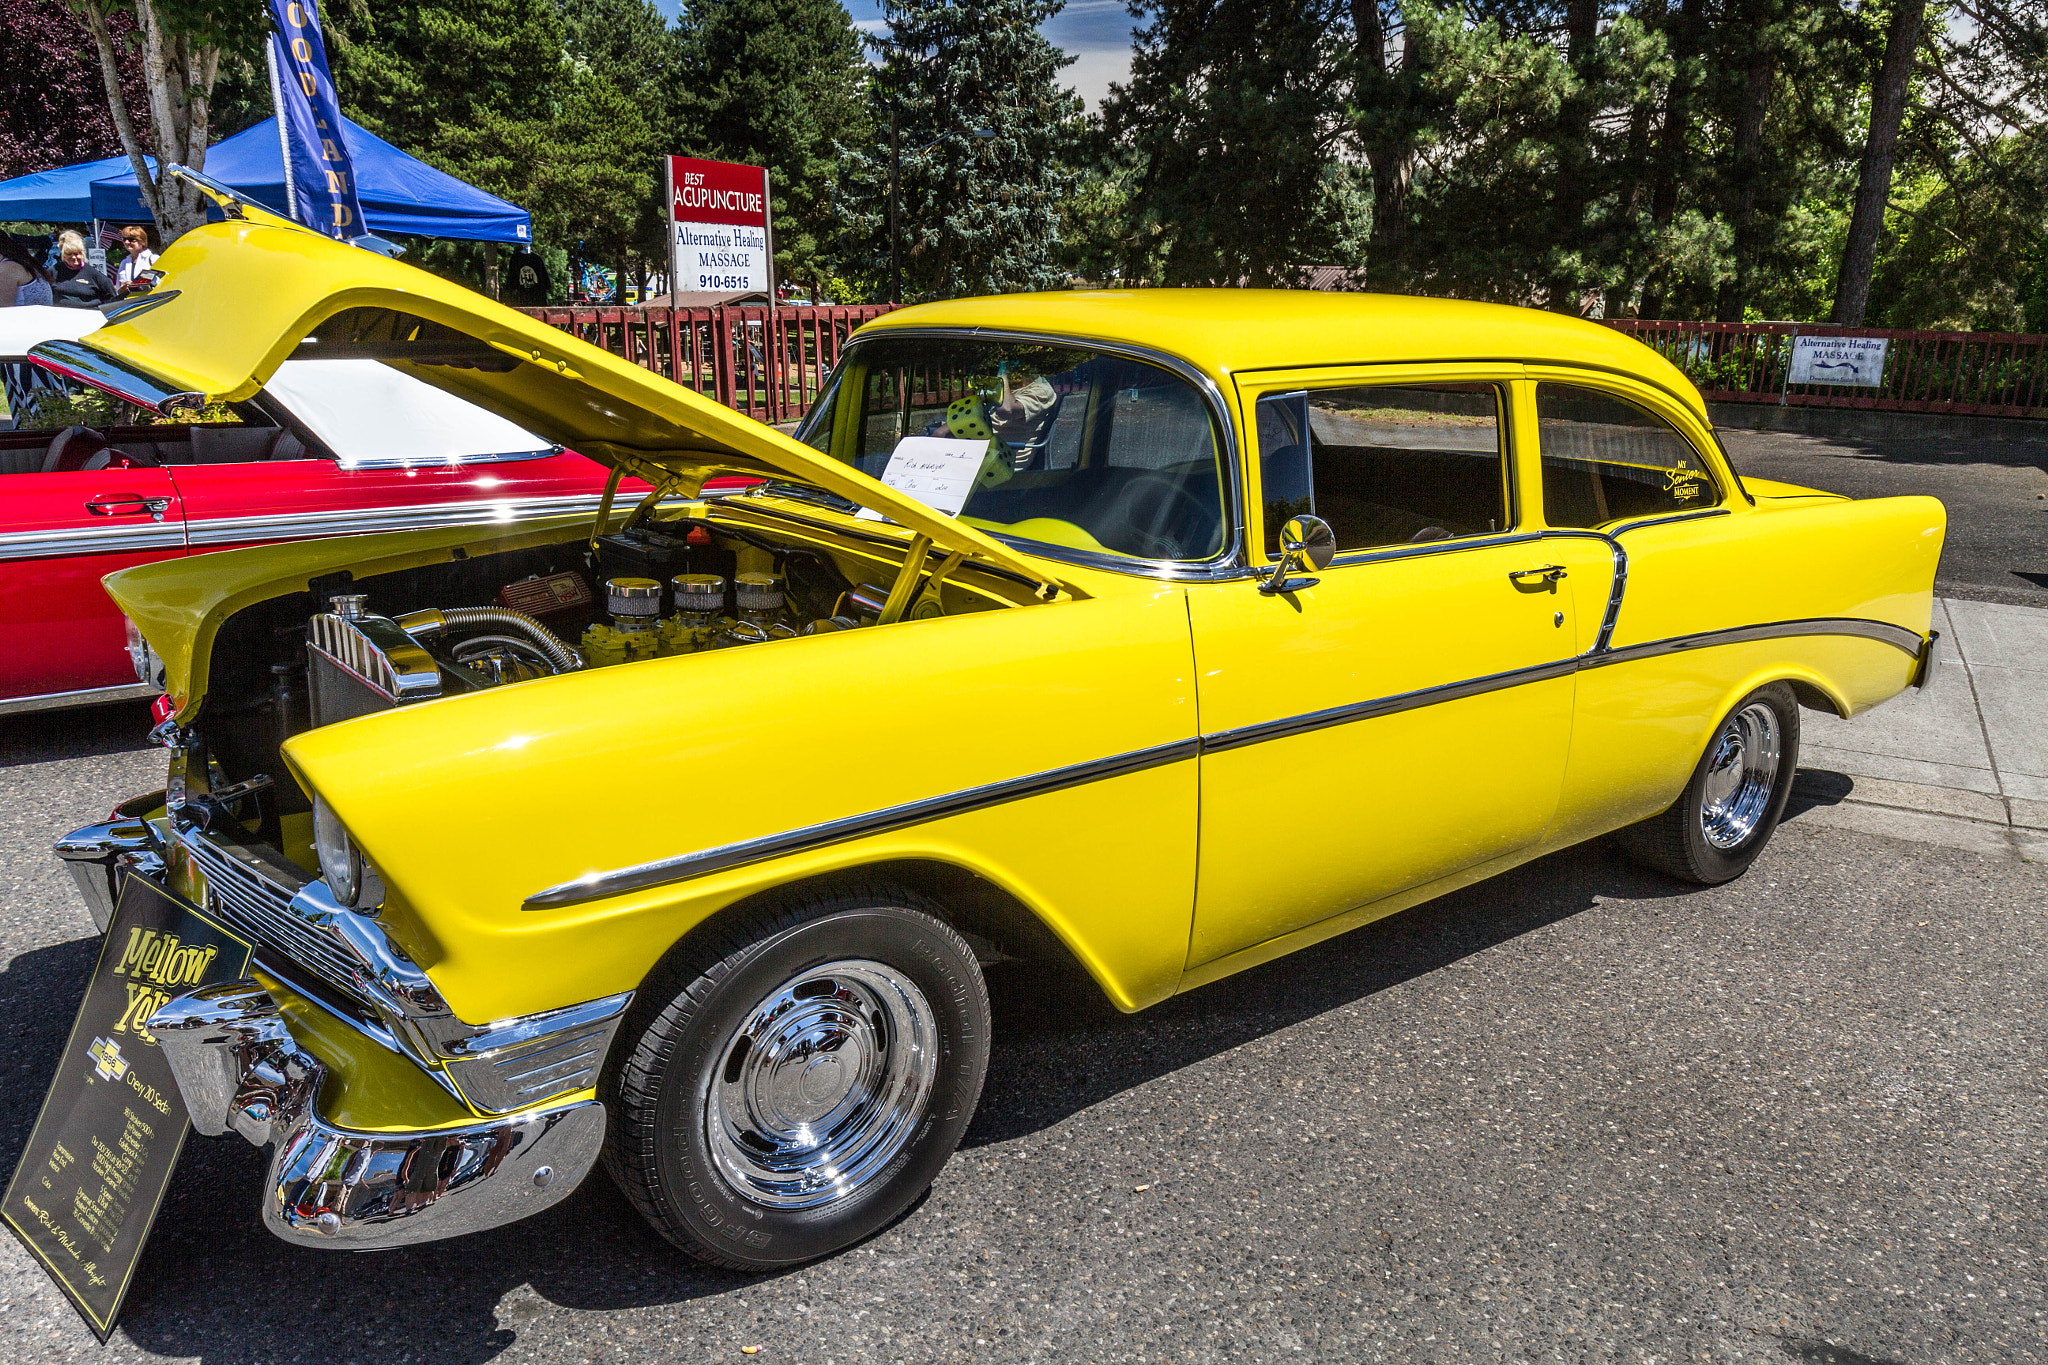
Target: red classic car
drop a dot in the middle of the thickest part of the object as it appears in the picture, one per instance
(333, 445)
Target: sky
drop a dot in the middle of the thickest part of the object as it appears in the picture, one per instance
(1097, 33)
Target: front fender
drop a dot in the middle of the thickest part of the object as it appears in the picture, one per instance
(471, 806)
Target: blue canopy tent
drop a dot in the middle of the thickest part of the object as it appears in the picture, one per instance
(400, 195)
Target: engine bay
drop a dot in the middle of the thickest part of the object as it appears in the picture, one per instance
(686, 580)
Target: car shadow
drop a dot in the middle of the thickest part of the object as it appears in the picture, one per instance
(120, 727)
(215, 1286)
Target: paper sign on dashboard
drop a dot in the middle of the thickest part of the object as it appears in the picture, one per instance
(936, 470)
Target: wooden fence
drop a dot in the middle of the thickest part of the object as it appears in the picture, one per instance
(769, 370)
(1982, 374)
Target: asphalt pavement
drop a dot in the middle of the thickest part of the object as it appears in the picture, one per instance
(1996, 491)
(1576, 1113)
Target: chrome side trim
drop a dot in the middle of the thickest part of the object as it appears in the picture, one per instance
(240, 1069)
(369, 520)
(78, 361)
(89, 696)
(1223, 740)
(168, 536)
(536, 1058)
(598, 885)
(1898, 637)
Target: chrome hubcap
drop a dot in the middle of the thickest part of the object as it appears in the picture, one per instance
(1742, 771)
(822, 1085)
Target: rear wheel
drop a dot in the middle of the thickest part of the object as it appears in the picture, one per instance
(799, 1079)
(1716, 829)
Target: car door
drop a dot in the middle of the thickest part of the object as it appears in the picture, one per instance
(1406, 716)
(360, 446)
(60, 533)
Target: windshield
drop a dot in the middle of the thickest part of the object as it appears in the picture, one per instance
(1055, 445)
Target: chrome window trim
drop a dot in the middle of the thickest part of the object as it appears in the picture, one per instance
(687, 866)
(1227, 562)
(75, 360)
(379, 462)
(87, 696)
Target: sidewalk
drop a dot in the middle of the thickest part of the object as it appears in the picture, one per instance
(1962, 762)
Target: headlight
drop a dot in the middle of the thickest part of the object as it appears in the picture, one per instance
(351, 881)
(148, 668)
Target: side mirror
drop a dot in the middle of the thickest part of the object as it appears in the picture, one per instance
(1305, 541)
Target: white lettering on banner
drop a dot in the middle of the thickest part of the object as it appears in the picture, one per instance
(1838, 360)
(721, 257)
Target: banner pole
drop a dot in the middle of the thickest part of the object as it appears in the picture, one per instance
(284, 147)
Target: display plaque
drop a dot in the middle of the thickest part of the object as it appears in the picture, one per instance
(96, 1167)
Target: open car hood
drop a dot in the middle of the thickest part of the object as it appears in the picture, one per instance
(239, 297)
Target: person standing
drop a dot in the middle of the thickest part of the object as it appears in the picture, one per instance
(128, 275)
(77, 282)
(23, 281)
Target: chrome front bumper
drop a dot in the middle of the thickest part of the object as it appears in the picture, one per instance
(240, 1069)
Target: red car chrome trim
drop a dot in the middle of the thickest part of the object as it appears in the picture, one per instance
(365, 520)
(167, 535)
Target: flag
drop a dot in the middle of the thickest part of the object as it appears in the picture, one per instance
(323, 180)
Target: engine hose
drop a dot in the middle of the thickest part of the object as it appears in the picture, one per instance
(566, 657)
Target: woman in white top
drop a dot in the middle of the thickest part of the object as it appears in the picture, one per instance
(128, 276)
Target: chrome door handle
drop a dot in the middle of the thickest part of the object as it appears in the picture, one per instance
(127, 505)
(1548, 575)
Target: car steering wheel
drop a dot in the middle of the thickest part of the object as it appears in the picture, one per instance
(1161, 489)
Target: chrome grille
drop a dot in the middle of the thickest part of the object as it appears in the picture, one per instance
(251, 901)
(546, 1067)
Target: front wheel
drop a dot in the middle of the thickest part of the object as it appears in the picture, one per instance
(799, 1078)
(1716, 829)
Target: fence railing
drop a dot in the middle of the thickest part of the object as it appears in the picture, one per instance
(769, 369)
(772, 369)
(1982, 374)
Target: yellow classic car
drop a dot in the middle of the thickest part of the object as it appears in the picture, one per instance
(1161, 632)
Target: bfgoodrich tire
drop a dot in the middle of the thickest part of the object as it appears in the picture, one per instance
(793, 1081)
(1737, 794)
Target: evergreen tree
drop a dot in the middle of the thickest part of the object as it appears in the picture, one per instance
(1235, 114)
(968, 92)
(776, 83)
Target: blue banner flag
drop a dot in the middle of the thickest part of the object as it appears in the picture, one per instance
(323, 182)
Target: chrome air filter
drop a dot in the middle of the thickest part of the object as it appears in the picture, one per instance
(698, 594)
(760, 592)
(634, 603)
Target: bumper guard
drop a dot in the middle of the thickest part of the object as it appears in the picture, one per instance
(240, 1069)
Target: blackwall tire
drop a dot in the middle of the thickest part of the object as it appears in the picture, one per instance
(791, 1082)
(1735, 798)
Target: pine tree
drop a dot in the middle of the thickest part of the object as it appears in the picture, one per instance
(1235, 114)
(776, 83)
(968, 91)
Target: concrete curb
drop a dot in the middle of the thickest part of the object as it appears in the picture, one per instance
(1962, 762)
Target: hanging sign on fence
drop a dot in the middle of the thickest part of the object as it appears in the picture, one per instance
(1838, 360)
(720, 236)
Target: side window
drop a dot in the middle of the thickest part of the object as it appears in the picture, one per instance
(1385, 464)
(1605, 459)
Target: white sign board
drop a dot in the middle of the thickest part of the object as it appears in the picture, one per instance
(936, 470)
(1838, 360)
(721, 256)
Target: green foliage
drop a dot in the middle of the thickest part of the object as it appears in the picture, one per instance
(776, 83)
(1231, 128)
(979, 214)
